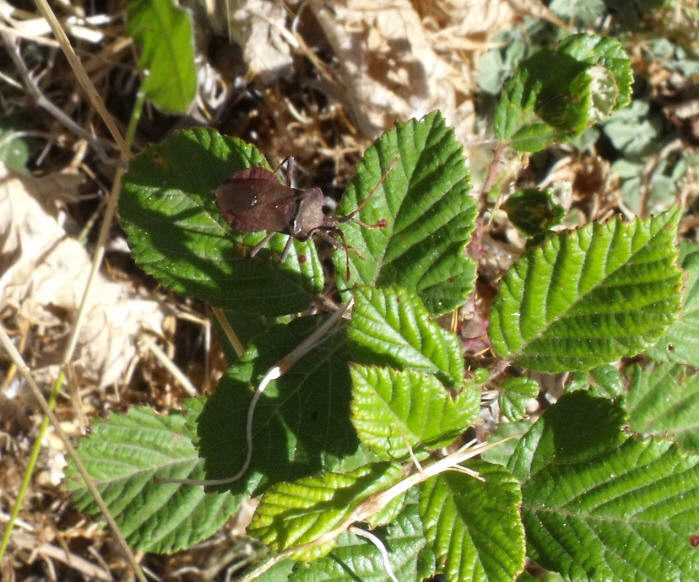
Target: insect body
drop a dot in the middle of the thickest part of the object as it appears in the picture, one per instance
(253, 200)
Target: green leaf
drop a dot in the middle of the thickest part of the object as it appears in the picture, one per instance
(664, 399)
(499, 63)
(681, 341)
(14, 145)
(604, 381)
(297, 513)
(533, 211)
(588, 297)
(177, 234)
(599, 505)
(124, 453)
(474, 527)
(608, 380)
(430, 215)
(164, 33)
(516, 393)
(391, 327)
(354, 558)
(557, 93)
(396, 411)
(301, 422)
(581, 411)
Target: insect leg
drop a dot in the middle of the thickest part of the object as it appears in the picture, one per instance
(287, 248)
(259, 245)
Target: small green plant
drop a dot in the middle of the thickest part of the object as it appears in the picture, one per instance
(351, 438)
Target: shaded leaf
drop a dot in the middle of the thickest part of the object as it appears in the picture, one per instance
(177, 234)
(301, 423)
(588, 297)
(533, 211)
(599, 505)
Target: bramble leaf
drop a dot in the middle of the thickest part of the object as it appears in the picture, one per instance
(598, 504)
(430, 216)
(391, 327)
(177, 234)
(533, 211)
(301, 424)
(588, 297)
(681, 341)
(604, 381)
(124, 453)
(300, 512)
(474, 527)
(515, 394)
(354, 558)
(664, 399)
(557, 93)
(398, 411)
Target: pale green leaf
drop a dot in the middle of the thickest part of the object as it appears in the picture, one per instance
(600, 505)
(124, 454)
(430, 216)
(388, 512)
(608, 380)
(664, 399)
(474, 527)
(15, 145)
(681, 341)
(391, 327)
(396, 411)
(354, 558)
(299, 512)
(164, 33)
(588, 297)
(177, 234)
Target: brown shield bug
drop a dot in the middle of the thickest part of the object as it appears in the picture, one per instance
(253, 200)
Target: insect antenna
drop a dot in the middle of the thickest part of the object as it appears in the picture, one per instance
(351, 215)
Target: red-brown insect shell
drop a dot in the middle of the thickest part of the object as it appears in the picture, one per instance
(253, 200)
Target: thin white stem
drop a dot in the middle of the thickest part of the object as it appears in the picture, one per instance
(375, 503)
(379, 546)
(274, 373)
